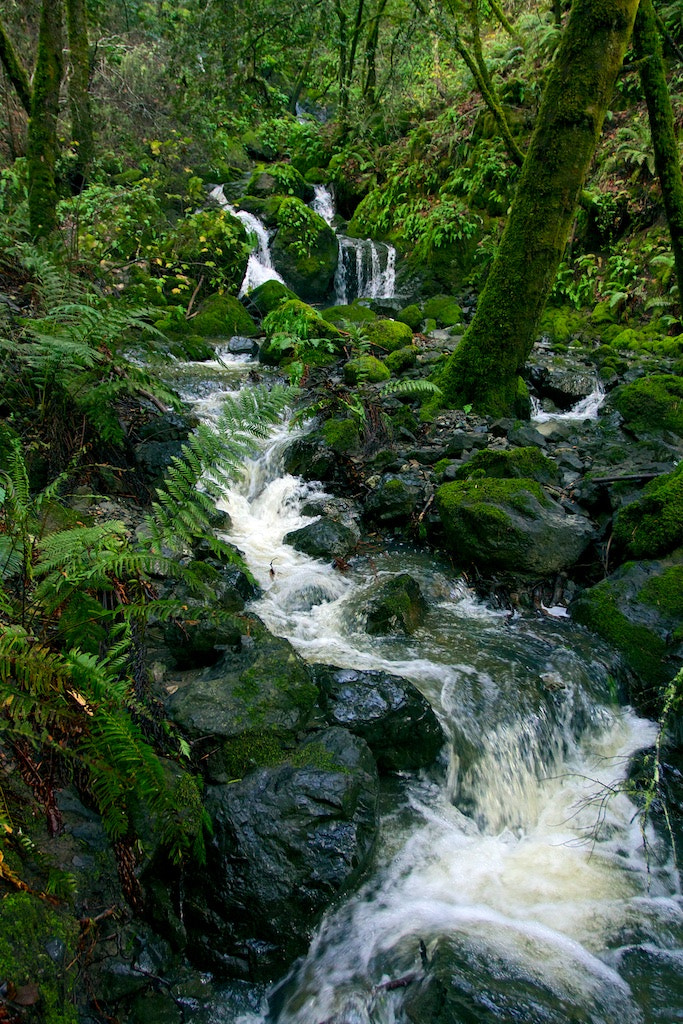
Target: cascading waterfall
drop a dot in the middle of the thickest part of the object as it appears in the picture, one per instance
(260, 265)
(511, 857)
(366, 269)
(585, 409)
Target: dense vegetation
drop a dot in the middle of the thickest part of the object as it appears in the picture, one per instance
(115, 121)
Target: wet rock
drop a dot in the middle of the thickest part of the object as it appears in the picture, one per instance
(507, 465)
(525, 436)
(461, 441)
(288, 839)
(154, 458)
(395, 497)
(388, 712)
(639, 609)
(511, 526)
(326, 538)
(562, 385)
(169, 426)
(240, 346)
(312, 459)
(263, 685)
(398, 607)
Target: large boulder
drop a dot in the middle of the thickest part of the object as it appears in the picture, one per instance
(223, 316)
(305, 250)
(639, 609)
(388, 712)
(510, 526)
(652, 525)
(263, 685)
(395, 498)
(652, 404)
(327, 538)
(287, 840)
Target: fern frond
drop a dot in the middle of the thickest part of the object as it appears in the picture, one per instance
(409, 389)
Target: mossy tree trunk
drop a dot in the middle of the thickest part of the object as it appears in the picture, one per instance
(15, 70)
(648, 51)
(42, 126)
(79, 96)
(484, 369)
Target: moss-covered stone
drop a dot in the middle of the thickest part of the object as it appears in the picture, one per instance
(37, 945)
(305, 250)
(444, 309)
(277, 179)
(602, 314)
(402, 359)
(511, 464)
(341, 435)
(300, 321)
(356, 313)
(365, 368)
(222, 316)
(388, 335)
(411, 315)
(653, 524)
(509, 525)
(639, 610)
(399, 607)
(652, 403)
(269, 295)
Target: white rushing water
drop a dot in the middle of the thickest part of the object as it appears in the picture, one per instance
(260, 265)
(366, 269)
(523, 852)
(587, 408)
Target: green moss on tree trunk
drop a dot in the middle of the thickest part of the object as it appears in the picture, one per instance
(42, 127)
(79, 97)
(14, 69)
(484, 368)
(648, 50)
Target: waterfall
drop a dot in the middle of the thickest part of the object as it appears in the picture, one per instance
(366, 269)
(585, 409)
(260, 265)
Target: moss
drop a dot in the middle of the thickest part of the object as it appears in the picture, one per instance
(36, 946)
(561, 325)
(652, 403)
(598, 609)
(602, 314)
(300, 321)
(429, 325)
(251, 750)
(444, 309)
(402, 358)
(411, 315)
(388, 335)
(269, 296)
(653, 525)
(222, 316)
(277, 179)
(441, 466)
(340, 435)
(365, 368)
(486, 494)
(513, 464)
(665, 592)
(316, 756)
(354, 314)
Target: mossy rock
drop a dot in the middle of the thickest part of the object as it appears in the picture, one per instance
(511, 526)
(653, 524)
(305, 250)
(652, 403)
(561, 325)
(399, 607)
(353, 314)
(223, 316)
(402, 359)
(341, 435)
(510, 465)
(257, 146)
(128, 177)
(300, 321)
(269, 295)
(411, 315)
(365, 368)
(639, 610)
(265, 209)
(277, 179)
(444, 309)
(388, 335)
(193, 348)
(36, 945)
(602, 315)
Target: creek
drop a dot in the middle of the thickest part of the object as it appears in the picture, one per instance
(517, 866)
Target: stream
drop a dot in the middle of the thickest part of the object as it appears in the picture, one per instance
(518, 862)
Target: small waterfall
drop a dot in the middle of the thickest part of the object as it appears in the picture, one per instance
(585, 409)
(260, 266)
(366, 269)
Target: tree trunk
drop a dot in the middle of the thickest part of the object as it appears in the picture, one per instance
(79, 97)
(648, 51)
(15, 69)
(42, 126)
(371, 56)
(484, 369)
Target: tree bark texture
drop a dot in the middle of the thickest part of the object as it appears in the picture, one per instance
(484, 369)
(648, 50)
(15, 69)
(79, 97)
(42, 126)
